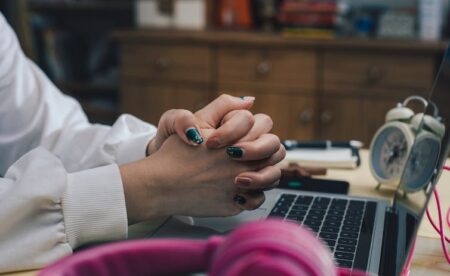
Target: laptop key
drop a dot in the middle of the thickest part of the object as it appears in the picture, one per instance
(328, 236)
(321, 200)
(344, 256)
(350, 235)
(314, 217)
(344, 263)
(319, 207)
(348, 228)
(317, 212)
(359, 212)
(332, 223)
(287, 197)
(345, 241)
(336, 212)
(334, 218)
(305, 200)
(309, 222)
(337, 201)
(352, 223)
(297, 213)
(345, 248)
(330, 229)
(300, 207)
(338, 207)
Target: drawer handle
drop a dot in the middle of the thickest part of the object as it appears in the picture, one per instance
(163, 63)
(374, 74)
(326, 117)
(263, 68)
(306, 116)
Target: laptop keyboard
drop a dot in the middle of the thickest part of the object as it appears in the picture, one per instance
(335, 221)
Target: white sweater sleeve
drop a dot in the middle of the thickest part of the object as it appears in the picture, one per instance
(61, 185)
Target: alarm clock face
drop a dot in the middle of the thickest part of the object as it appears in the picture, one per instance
(422, 162)
(389, 151)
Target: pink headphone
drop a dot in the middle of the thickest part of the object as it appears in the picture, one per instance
(270, 247)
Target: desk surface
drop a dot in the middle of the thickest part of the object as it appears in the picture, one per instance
(428, 258)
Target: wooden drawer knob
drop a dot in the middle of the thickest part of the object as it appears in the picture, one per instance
(263, 68)
(374, 74)
(326, 117)
(306, 116)
(163, 63)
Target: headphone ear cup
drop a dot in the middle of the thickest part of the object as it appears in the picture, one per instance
(430, 123)
(399, 113)
(272, 247)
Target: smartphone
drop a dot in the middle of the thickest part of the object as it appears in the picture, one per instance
(314, 185)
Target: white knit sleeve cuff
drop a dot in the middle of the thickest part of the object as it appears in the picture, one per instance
(94, 206)
(134, 148)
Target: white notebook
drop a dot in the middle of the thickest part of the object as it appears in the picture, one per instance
(344, 158)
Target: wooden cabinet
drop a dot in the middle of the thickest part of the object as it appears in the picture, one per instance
(340, 118)
(268, 67)
(312, 89)
(371, 73)
(157, 77)
(149, 101)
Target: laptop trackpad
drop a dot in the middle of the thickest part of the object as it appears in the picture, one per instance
(205, 227)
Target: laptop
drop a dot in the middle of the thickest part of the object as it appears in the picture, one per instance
(362, 233)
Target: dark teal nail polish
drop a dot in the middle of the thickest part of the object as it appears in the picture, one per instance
(235, 152)
(193, 135)
(240, 199)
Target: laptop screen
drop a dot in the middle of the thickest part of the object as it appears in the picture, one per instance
(422, 169)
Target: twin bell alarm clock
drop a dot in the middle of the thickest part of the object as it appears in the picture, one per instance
(407, 139)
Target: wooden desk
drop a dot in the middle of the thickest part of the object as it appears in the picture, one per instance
(428, 257)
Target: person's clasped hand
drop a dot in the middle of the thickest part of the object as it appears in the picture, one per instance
(230, 161)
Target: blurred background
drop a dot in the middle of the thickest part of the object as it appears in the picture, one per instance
(323, 69)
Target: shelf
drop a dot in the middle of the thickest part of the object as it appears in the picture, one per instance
(91, 6)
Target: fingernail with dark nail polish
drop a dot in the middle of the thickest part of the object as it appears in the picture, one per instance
(240, 199)
(213, 143)
(243, 181)
(247, 98)
(193, 135)
(235, 152)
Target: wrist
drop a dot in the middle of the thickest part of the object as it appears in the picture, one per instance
(143, 197)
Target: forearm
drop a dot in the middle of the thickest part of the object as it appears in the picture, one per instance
(47, 212)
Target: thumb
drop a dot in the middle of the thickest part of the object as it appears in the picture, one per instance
(176, 121)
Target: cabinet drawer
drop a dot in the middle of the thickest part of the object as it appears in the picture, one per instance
(166, 62)
(378, 73)
(149, 101)
(288, 68)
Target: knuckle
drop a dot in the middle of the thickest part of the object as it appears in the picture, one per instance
(183, 114)
(247, 116)
(225, 98)
(265, 119)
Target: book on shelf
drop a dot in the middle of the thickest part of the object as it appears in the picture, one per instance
(309, 18)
